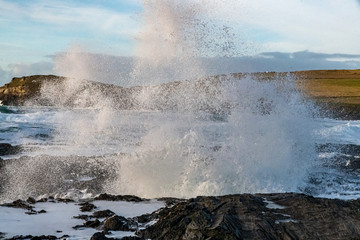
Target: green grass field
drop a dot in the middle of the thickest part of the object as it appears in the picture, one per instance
(331, 86)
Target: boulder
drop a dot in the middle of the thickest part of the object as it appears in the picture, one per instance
(119, 223)
(126, 198)
(8, 149)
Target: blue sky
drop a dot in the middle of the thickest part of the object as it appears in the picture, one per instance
(33, 31)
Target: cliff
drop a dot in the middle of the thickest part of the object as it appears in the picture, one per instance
(21, 89)
(335, 92)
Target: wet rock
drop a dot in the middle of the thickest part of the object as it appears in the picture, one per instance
(64, 200)
(343, 156)
(260, 216)
(99, 236)
(89, 224)
(8, 149)
(145, 218)
(103, 214)
(132, 238)
(119, 223)
(31, 200)
(42, 237)
(127, 198)
(83, 217)
(87, 207)
(50, 237)
(170, 201)
(92, 224)
(42, 211)
(33, 212)
(18, 204)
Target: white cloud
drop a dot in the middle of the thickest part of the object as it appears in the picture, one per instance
(71, 15)
(4, 76)
(24, 69)
(322, 25)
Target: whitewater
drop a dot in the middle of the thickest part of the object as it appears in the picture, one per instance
(219, 136)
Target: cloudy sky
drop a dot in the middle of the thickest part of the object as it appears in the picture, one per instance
(280, 35)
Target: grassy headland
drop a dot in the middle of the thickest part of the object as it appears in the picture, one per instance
(337, 92)
(331, 86)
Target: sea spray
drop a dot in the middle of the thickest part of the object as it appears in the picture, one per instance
(262, 144)
(187, 133)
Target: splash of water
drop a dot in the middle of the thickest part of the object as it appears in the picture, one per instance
(263, 145)
(212, 136)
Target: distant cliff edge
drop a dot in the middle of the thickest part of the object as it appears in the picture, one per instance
(335, 92)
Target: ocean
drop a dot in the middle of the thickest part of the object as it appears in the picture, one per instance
(79, 153)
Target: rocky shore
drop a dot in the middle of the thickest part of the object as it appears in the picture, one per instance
(239, 216)
(242, 216)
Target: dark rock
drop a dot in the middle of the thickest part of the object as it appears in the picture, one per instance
(89, 224)
(119, 223)
(31, 212)
(345, 156)
(103, 214)
(92, 224)
(260, 216)
(99, 236)
(145, 218)
(132, 238)
(42, 211)
(127, 198)
(18, 204)
(170, 201)
(42, 237)
(8, 149)
(87, 207)
(31, 200)
(83, 217)
(65, 200)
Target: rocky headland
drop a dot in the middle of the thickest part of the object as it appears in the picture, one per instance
(335, 92)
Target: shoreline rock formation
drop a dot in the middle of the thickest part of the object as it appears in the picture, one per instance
(258, 216)
(239, 216)
(335, 92)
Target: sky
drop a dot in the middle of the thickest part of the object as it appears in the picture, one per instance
(280, 35)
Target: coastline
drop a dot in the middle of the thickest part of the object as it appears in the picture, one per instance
(239, 216)
(335, 93)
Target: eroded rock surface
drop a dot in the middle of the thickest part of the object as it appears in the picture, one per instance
(261, 216)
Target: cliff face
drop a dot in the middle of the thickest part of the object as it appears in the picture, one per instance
(62, 92)
(20, 90)
(336, 92)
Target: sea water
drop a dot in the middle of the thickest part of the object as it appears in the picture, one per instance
(178, 154)
(218, 137)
